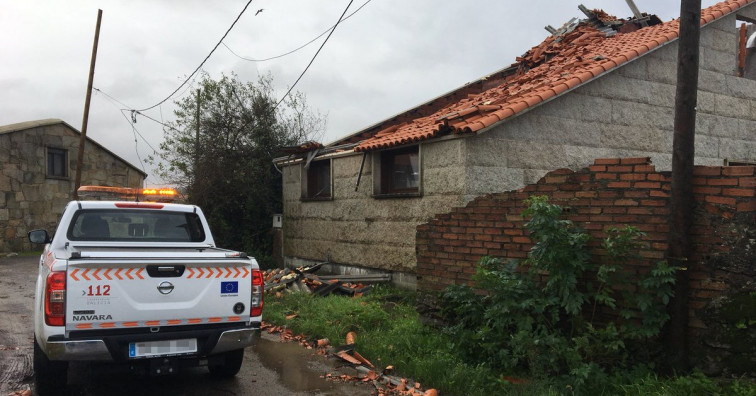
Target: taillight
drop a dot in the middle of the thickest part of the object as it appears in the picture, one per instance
(256, 303)
(55, 299)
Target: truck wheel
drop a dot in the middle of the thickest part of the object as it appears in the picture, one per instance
(50, 376)
(228, 365)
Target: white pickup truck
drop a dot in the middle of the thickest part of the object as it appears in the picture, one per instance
(143, 284)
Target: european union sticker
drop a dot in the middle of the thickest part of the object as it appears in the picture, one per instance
(229, 287)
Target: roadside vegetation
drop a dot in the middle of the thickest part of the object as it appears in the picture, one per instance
(389, 332)
(539, 327)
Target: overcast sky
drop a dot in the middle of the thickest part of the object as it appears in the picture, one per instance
(387, 58)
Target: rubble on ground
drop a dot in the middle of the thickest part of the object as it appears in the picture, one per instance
(303, 279)
(385, 383)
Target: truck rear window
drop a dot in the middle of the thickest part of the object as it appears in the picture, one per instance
(135, 226)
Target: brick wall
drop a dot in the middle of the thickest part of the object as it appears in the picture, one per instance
(617, 192)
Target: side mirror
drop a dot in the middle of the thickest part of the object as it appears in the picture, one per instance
(39, 236)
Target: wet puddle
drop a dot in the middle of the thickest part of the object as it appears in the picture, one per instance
(301, 369)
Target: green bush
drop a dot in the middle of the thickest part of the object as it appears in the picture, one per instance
(548, 317)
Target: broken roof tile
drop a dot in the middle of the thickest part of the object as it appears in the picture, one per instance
(576, 54)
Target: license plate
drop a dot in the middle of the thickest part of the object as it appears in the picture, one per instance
(162, 348)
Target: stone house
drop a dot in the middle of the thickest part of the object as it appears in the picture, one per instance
(597, 88)
(38, 172)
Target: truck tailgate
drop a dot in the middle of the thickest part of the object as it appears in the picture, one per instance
(107, 294)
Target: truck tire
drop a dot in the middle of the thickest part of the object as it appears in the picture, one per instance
(50, 377)
(229, 365)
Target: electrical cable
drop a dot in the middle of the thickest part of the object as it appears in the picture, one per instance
(298, 48)
(136, 131)
(137, 112)
(203, 62)
(112, 99)
(314, 56)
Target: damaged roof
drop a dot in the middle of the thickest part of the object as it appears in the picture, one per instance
(573, 55)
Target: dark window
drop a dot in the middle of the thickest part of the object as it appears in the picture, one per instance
(739, 163)
(400, 171)
(319, 180)
(57, 162)
(135, 226)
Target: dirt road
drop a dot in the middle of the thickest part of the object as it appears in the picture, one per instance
(270, 367)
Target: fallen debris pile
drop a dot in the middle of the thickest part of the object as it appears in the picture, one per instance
(384, 382)
(303, 279)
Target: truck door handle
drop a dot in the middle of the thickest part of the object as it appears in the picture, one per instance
(165, 271)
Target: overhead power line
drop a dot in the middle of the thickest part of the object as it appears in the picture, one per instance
(203, 62)
(298, 48)
(112, 99)
(316, 55)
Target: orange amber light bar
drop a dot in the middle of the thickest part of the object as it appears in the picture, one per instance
(162, 191)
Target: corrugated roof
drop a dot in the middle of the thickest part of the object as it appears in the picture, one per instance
(576, 54)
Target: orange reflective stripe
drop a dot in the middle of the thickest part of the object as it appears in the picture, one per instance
(156, 323)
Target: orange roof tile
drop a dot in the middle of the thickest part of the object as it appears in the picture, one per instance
(560, 63)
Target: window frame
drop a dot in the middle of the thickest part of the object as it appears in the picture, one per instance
(56, 151)
(383, 163)
(738, 162)
(310, 179)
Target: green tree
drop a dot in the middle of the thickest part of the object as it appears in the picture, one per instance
(227, 168)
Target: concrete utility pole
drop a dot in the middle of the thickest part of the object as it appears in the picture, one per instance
(83, 137)
(681, 197)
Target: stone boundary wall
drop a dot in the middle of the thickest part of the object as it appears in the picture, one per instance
(617, 192)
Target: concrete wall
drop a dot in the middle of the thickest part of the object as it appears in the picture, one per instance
(355, 229)
(28, 199)
(627, 112)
